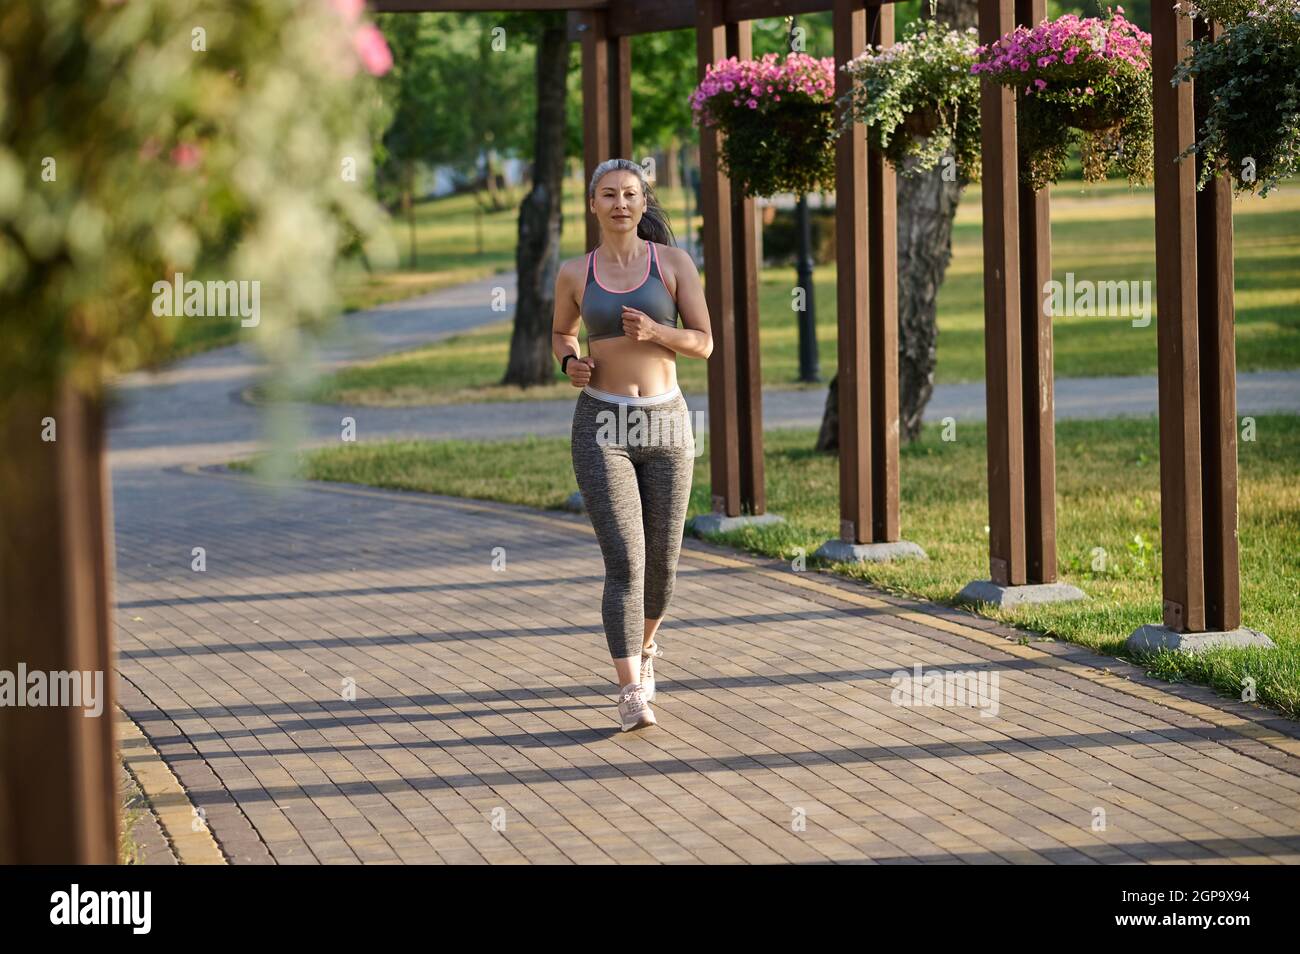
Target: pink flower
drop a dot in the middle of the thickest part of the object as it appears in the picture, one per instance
(373, 49)
(186, 155)
(753, 104)
(1041, 84)
(1088, 90)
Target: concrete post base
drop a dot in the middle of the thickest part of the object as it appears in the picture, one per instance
(845, 552)
(986, 591)
(1154, 638)
(705, 523)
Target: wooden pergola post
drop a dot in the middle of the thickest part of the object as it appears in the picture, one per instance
(1019, 385)
(851, 263)
(719, 281)
(866, 255)
(882, 324)
(58, 763)
(1038, 402)
(1197, 373)
(618, 59)
(1002, 289)
(606, 102)
(745, 226)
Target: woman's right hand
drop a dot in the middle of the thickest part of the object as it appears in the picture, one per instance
(579, 370)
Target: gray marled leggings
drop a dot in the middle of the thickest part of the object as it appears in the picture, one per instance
(635, 481)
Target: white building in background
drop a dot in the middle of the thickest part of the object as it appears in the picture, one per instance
(434, 181)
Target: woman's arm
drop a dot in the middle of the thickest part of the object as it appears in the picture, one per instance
(695, 338)
(564, 330)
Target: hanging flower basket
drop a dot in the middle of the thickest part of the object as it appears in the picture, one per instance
(919, 100)
(777, 120)
(1077, 80)
(1247, 90)
(921, 123)
(1094, 119)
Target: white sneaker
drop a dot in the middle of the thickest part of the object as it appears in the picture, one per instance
(648, 670)
(633, 710)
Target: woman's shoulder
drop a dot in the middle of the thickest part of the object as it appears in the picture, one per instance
(673, 255)
(574, 268)
(675, 261)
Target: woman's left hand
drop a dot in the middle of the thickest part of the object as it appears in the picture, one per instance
(637, 325)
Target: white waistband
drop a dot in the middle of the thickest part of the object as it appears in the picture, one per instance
(634, 399)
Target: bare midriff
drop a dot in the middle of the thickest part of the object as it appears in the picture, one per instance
(632, 368)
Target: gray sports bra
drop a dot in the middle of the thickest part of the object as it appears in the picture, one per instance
(602, 307)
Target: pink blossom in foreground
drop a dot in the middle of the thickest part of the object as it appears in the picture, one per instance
(186, 155)
(373, 49)
(349, 10)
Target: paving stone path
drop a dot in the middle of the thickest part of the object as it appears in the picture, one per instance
(374, 676)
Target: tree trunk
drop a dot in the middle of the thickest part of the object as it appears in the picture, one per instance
(537, 258)
(927, 205)
(492, 181)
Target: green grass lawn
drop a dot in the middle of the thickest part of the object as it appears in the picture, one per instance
(1101, 233)
(1108, 498)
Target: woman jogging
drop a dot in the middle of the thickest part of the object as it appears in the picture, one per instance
(632, 446)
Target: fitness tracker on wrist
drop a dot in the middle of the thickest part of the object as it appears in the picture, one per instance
(564, 363)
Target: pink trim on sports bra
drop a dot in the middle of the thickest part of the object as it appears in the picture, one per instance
(648, 259)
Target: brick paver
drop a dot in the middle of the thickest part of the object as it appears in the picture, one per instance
(483, 725)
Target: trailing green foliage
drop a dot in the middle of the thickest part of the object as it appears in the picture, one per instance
(222, 140)
(1248, 90)
(919, 99)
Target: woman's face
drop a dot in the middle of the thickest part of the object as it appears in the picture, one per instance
(619, 202)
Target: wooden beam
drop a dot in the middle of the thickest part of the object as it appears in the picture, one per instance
(481, 6)
(853, 373)
(1038, 398)
(596, 109)
(745, 225)
(719, 282)
(882, 320)
(634, 17)
(1002, 290)
(1178, 347)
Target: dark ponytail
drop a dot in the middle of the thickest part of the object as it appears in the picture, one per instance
(654, 225)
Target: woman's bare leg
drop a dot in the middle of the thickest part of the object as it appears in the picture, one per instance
(628, 670)
(651, 627)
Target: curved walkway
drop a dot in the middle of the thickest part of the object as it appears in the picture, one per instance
(194, 412)
(365, 676)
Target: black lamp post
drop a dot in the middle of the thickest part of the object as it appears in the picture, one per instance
(809, 366)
